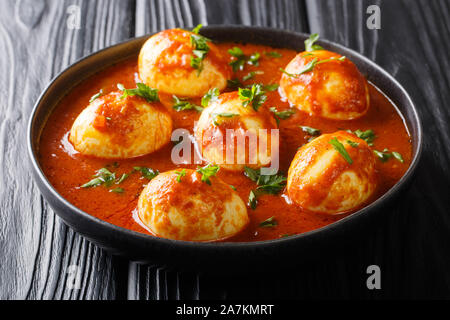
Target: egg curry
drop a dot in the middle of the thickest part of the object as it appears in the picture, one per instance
(333, 141)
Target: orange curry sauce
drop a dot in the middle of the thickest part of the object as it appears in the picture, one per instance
(67, 170)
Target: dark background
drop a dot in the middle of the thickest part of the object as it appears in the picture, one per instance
(411, 245)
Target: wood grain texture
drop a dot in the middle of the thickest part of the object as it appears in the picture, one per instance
(35, 246)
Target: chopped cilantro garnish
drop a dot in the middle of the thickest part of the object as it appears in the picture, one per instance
(282, 115)
(287, 235)
(398, 156)
(254, 59)
(310, 43)
(123, 178)
(255, 96)
(197, 29)
(181, 174)
(96, 96)
(222, 115)
(341, 149)
(234, 83)
(272, 184)
(143, 91)
(208, 172)
(385, 155)
(93, 183)
(271, 87)
(269, 223)
(241, 59)
(147, 173)
(200, 49)
(273, 54)
(239, 63)
(211, 96)
(368, 136)
(252, 174)
(311, 65)
(353, 143)
(251, 75)
(252, 200)
(184, 104)
(102, 177)
(117, 190)
(311, 131)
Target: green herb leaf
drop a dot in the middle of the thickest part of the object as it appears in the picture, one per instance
(283, 115)
(123, 178)
(384, 155)
(255, 96)
(272, 184)
(273, 54)
(267, 87)
(311, 131)
(117, 190)
(96, 96)
(208, 172)
(341, 149)
(143, 91)
(252, 200)
(398, 156)
(102, 177)
(252, 174)
(239, 63)
(200, 49)
(234, 83)
(310, 43)
(236, 52)
(269, 223)
(93, 183)
(222, 115)
(184, 104)
(197, 29)
(254, 59)
(271, 87)
(353, 143)
(211, 96)
(251, 75)
(233, 187)
(368, 136)
(311, 65)
(147, 173)
(241, 59)
(181, 174)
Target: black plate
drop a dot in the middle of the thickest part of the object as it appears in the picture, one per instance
(223, 257)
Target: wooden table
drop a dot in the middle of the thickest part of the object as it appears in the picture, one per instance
(412, 245)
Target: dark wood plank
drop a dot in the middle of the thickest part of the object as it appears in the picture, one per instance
(36, 247)
(413, 42)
